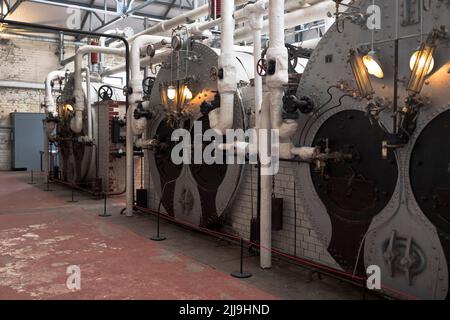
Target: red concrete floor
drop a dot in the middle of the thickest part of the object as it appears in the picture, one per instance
(41, 235)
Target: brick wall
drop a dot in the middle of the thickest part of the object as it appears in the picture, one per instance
(26, 61)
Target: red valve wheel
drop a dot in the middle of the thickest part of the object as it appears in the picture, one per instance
(261, 67)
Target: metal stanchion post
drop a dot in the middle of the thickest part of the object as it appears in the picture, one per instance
(241, 274)
(104, 214)
(158, 237)
(72, 200)
(32, 178)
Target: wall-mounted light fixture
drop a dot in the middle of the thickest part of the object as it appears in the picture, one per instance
(360, 74)
(373, 64)
(187, 93)
(176, 94)
(422, 61)
(412, 61)
(171, 93)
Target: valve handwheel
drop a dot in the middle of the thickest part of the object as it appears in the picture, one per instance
(261, 67)
(105, 92)
(213, 74)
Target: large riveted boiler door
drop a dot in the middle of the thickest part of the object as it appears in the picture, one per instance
(430, 176)
(353, 192)
(199, 194)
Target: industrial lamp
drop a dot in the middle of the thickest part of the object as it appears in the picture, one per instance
(413, 60)
(171, 92)
(423, 63)
(187, 93)
(373, 65)
(361, 74)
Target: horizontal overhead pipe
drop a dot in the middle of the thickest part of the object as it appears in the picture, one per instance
(181, 19)
(157, 58)
(303, 15)
(76, 123)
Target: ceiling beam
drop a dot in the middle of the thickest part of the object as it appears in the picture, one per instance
(140, 6)
(86, 16)
(169, 8)
(96, 8)
(13, 8)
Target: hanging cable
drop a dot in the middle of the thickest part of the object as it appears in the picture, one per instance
(318, 109)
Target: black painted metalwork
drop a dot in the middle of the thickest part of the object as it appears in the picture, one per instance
(354, 191)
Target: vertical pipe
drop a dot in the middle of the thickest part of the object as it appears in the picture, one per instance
(61, 47)
(89, 102)
(266, 187)
(129, 164)
(258, 78)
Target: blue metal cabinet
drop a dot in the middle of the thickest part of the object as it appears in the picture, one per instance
(27, 140)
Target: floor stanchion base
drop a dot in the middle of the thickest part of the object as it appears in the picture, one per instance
(158, 238)
(241, 275)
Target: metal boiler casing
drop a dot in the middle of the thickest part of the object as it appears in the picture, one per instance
(394, 212)
(196, 194)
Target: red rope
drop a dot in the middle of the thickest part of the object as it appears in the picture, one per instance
(278, 252)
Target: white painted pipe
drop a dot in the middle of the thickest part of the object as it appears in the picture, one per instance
(135, 127)
(88, 101)
(266, 187)
(258, 78)
(221, 118)
(50, 105)
(159, 57)
(315, 12)
(116, 32)
(184, 18)
(255, 13)
(241, 14)
(76, 124)
(277, 58)
(50, 108)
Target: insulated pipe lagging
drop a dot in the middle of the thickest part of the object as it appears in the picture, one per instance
(89, 102)
(50, 105)
(316, 11)
(222, 118)
(76, 124)
(277, 55)
(159, 57)
(135, 126)
(181, 19)
(255, 13)
(266, 187)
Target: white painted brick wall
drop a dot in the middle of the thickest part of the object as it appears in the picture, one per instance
(27, 61)
(307, 244)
